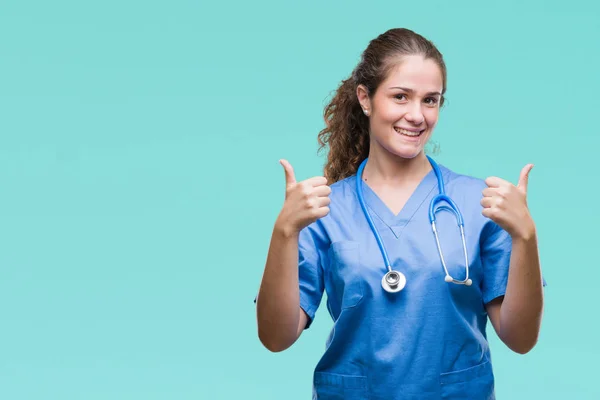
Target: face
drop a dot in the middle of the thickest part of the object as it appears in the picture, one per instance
(405, 108)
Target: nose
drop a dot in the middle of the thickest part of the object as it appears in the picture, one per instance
(414, 114)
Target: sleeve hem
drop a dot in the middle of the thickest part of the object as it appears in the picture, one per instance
(494, 294)
(308, 309)
(501, 291)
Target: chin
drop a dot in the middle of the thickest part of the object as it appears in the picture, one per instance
(407, 153)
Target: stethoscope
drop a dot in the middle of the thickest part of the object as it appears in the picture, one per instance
(394, 281)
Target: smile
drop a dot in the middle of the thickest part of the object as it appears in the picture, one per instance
(406, 132)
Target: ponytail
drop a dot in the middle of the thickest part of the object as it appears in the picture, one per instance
(346, 133)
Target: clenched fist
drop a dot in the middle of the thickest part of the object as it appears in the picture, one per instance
(506, 204)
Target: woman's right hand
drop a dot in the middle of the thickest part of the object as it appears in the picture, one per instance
(305, 201)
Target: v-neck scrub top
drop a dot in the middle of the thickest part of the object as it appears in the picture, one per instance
(427, 341)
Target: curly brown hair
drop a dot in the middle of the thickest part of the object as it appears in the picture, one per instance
(346, 129)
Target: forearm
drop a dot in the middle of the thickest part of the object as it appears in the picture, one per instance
(521, 310)
(278, 302)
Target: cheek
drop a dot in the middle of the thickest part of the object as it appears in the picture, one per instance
(389, 113)
(431, 116)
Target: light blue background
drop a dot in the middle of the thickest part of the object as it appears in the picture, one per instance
(139, 181)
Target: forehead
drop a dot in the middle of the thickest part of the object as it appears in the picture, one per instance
(416, 73)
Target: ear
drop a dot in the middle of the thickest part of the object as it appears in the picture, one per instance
(363, 97)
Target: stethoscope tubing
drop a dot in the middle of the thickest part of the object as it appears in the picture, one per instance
(441, 197)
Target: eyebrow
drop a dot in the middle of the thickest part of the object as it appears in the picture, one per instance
(412, 91)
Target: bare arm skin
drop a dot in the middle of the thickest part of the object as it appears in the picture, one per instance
(280, 319)
(516, 316)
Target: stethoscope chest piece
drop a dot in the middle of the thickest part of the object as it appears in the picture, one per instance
(393, 281)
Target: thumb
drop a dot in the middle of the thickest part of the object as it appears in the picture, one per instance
(524, 178)
(290, 179)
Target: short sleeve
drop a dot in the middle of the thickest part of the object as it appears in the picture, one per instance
(496, 246)
(311, 245)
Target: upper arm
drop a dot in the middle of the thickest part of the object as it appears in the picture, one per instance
(311, 244)
(496, 247)
(302, 321)
(493, 310)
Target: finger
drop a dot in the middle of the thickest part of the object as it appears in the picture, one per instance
(488, 212)
(322, 211)
(290, 178)
(490, 192)
(524, 178)
(317, 181)
(322, 191)
(487, 202)
(323, 201)
(494, 181)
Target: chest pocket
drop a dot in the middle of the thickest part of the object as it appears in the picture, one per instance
(345, 269)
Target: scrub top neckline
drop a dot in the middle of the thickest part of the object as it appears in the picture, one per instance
(397, 222)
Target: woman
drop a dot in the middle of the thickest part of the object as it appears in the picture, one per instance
(417, 332)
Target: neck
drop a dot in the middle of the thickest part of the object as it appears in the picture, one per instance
(387, 169)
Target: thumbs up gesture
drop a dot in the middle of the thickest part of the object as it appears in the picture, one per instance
(506, 204)
(305, 201)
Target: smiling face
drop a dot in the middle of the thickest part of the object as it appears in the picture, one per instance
(405, 108)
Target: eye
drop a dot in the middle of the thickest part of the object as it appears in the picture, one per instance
(432, 101)
(400, 96)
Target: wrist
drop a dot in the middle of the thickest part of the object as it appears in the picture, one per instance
(285, 230)
(526, 234)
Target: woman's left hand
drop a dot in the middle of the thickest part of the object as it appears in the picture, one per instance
(506, 204)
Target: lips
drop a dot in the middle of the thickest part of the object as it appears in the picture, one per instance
(409, 132)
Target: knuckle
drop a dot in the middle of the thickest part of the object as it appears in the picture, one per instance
(305, 189)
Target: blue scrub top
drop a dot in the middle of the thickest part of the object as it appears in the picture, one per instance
(427, 341)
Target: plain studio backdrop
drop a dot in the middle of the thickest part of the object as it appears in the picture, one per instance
(139, 181)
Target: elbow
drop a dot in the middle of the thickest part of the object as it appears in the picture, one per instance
(271, 343)
(524, 348)
(520, 338)
(273, 346)
(523, 345)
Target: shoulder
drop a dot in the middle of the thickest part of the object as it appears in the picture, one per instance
(343, 205)
(343, 196)
(462, 184)
(466, 191)
(344, 187)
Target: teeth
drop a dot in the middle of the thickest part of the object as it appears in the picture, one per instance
(407, 133)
